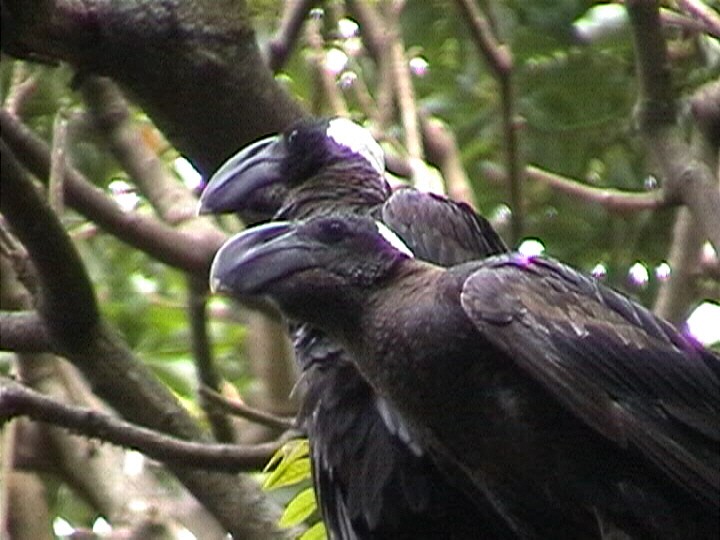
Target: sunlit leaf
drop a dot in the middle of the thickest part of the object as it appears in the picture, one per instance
(299, 509)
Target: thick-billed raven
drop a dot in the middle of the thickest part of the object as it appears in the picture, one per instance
(574, 410)
(372, 479)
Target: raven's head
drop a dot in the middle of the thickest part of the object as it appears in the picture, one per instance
(312, 269)
(260, 176)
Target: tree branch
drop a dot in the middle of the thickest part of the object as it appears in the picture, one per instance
(23, 331)
(111, 116)
(185, 250)
(22, 86)
(441, 148)
(698, 10)
(686, 179)
(325, 78)
(67, 299)
(70, 313)
(280, 46)
(239, 408)
(405, 95)
(499, 59)
(202, 355)
(676, 295)
(18, 400)
(148, 48)
(101, 480)
(613, 200)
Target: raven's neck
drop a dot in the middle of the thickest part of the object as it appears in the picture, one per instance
(354, 188)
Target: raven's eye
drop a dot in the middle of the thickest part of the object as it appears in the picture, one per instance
(332, 231)
(292, 136)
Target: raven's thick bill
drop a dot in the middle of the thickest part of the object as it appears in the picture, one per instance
(371, 478)
(574, 410)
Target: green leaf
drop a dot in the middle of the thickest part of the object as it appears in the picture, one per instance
(293, 466)
(299, 509)
(290, 451)
(288, 474)
(316, 532)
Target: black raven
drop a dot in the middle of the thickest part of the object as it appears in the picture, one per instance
(372, 479)
(574, 410)
(321, 167)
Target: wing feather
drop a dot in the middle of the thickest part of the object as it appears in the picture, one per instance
(626, 373)
(439, 230)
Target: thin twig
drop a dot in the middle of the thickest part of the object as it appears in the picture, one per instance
(708, 16)
(442, 149)
(191, 251)
(405, 96)
(18, 257)
(613, 200)
(22, 86)
(202, 355)
(373, 31)
(18, 400)
(365, 100)
(676, 295)
(239, 408)
(58, 163)
(499, 58)
(280, 46)
(326, 78)
(404, 91)
(111, 115)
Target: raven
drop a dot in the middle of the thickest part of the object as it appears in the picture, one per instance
(326, 166)
(575, 411)
(372, 479)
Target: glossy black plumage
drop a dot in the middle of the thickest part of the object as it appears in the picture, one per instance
(372, 479)
(577, 412)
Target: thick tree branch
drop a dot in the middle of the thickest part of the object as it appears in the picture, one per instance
(67, 299)
(686, 179)
(23, 331)
(18, 400)
(203, 52)
(188, 251)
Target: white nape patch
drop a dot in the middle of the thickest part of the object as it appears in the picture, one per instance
(393, 239)
(358, 139)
